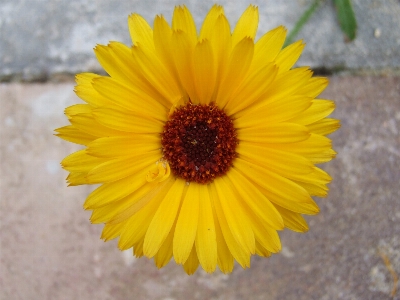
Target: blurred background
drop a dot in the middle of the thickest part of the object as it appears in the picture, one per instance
(49, 249)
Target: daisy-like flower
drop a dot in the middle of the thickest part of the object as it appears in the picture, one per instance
(204, 145)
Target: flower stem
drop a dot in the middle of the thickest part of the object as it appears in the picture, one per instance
(300, 23)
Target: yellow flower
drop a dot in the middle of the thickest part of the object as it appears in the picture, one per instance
(204, 145)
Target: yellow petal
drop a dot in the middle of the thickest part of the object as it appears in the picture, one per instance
(313, 87)
(140, 31)
(292, 220)
(111, 231)
(238, 66)
(256, 201)
(186, 227)
(316, 148)
(138, 248)
(285, 85)
(278, 189)
(221, 41)
(163, 219)
(156, 74)
(319, 190)
(262, 231)
(138, 199)
(261, 251)
(127, 68)
(282, 162)
(324, 126)
(77, 109)
(113, 191)
(119, 168)
(164, 254)
(288, 56)
(182, 20)
(205, 71)
(162, 39)
(288, 83)
(192, 263)
(77, 179)
(206, 243)
(117, 61)
(72, 134)
(86, 92)
(183, 57)
(266, 236)
(209, 22)
(317, 177)
(238, 224)
(80, 161)
(137, 225)
(118, 146)
(268, 46)
(273, 133)
(241, 255)
(276, 112)
(121, 120)
(107, 212)
(129, 97)
(246, 26)
(225, 259)
(252, 89)
(164, 48)
(315, 182)
(318, 110)
(321, 157)
(87, 124)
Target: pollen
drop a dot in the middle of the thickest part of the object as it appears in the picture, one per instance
(199, 142)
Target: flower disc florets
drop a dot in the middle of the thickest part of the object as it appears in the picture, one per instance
(199, 142)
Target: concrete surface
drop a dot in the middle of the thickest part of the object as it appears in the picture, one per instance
(40, 38)
(49, 250)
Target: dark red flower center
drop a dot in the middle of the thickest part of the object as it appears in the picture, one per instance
(199, 142)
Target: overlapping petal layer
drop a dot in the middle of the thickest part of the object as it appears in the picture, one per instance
(280, 125)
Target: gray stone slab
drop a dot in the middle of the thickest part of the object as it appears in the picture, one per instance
(49, 249)
(41, 38)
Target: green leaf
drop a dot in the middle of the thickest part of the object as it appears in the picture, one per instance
(346, 17)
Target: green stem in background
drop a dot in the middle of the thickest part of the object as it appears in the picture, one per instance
(300, 23)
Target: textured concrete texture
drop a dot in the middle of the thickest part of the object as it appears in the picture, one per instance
(49, 250)
(41, 38)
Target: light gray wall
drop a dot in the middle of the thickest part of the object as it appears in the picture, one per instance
(39, 38)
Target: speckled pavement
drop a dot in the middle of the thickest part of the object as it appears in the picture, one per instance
(49, 250)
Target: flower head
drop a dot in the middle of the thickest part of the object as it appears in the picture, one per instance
(204, 144)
